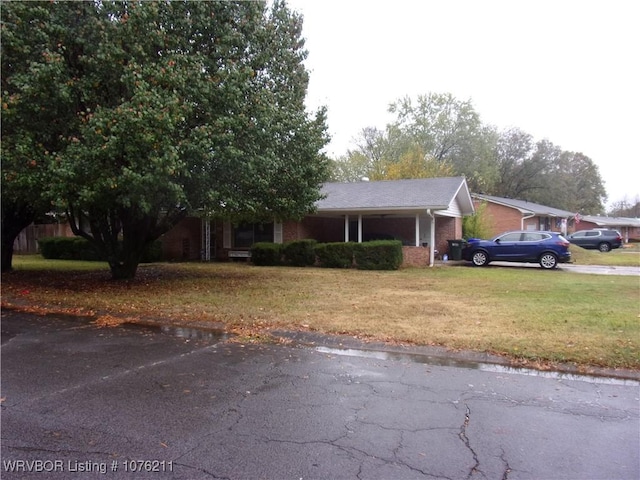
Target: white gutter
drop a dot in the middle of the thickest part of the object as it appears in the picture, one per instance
(525, 218)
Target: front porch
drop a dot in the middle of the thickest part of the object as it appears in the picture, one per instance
(422, 235)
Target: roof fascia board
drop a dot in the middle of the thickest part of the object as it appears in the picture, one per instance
(467, 196)
(523, 210)
(378, 210)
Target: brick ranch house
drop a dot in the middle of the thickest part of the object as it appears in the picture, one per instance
(504, 214)
(422, 213)
(629, 228)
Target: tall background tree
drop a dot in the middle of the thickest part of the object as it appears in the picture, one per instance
(433, 135)
(626, 208)
(162, 108)
(439, 135)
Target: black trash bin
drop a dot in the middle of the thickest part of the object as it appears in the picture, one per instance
(455, 249)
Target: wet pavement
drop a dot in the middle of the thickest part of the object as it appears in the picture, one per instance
(80, 401)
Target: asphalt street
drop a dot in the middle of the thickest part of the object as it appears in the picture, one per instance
(131, 402)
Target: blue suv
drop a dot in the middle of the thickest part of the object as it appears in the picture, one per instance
(546, 248)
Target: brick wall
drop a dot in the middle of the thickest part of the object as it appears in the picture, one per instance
(183, 241)
(447, 228)
(585, 225)
(291, 231)
(415, 256)
(502, 219)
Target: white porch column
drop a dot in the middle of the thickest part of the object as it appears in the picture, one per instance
(432, 237)
(417, 229)
(346, 228)
(360, 228)
(206, 239)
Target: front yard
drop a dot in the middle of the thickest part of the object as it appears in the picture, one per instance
(527, 314)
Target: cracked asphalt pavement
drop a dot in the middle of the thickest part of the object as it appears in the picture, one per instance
(131, 402)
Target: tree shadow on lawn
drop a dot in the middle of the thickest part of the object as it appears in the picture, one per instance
(148, 275)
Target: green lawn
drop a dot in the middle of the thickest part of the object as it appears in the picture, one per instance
(528, 314)
(620, 257)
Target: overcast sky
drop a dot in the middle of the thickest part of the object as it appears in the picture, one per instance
(562, 70)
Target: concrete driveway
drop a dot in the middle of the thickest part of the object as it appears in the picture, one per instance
(600, 269)
(566, 267)
(79, 401)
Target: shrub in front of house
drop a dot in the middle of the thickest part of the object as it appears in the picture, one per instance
(49, 247)
(335, 255)
(265, 254)
(152, 253)
(300, 253)
(78, 248)
(67, 248)
(378, 255)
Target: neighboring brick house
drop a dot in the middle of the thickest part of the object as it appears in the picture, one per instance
(422, 213)
(504, 214)
(629, 228)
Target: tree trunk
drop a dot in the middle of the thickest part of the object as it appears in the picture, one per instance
(7, 254)
(123, 270)
(124, 264)
(122, 236)
(15, 218)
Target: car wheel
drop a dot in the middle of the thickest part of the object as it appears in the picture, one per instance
(480, 258)
(604, 247)
(548, 261)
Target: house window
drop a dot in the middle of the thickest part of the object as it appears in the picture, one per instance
(545, 223)
(246, 234)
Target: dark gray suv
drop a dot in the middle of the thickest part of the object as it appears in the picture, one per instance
(599, 238)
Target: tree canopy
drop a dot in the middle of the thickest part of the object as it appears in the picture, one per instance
(439, 135)
(136, 113)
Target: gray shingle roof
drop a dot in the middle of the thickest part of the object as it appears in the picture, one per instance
(612, 221)
(525, 206)
(423, 193)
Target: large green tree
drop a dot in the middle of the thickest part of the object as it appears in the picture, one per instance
(573, 182)
(439, 123)
(520, 171)
(170, 108)
(35, 118)
(448, 130)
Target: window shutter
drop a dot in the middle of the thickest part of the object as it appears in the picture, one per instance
(277, 232)
(226, 235)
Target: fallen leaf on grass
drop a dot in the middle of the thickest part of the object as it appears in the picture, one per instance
(108, 321)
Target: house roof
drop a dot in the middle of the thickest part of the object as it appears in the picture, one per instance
(396, 196)
(526, 207)
(612, 221)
